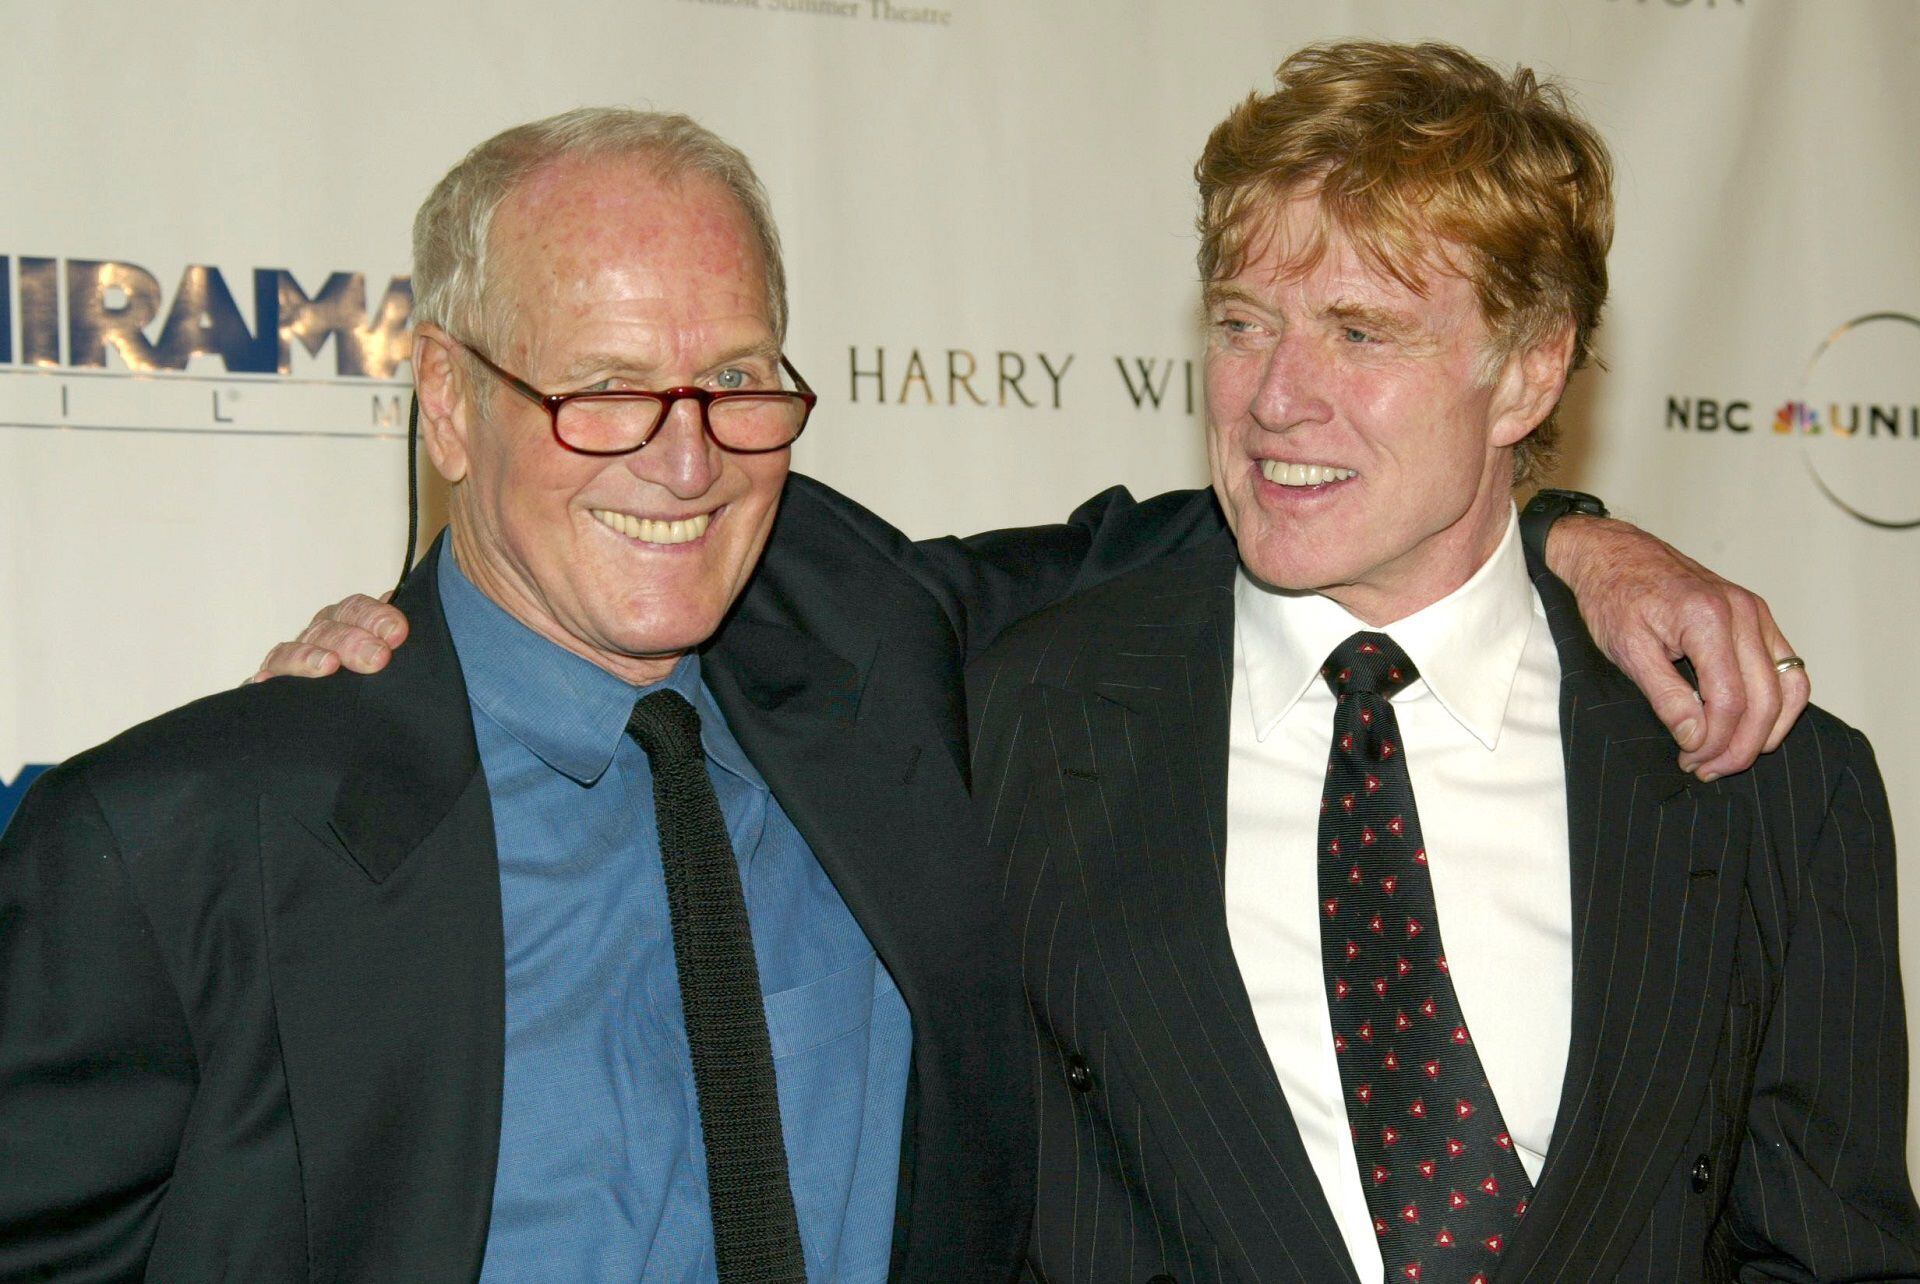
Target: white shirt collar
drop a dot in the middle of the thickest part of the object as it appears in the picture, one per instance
(1467, 645)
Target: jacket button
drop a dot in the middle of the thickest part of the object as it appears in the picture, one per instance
(1702, 1174)
(1079, 1074)
(1162, 1278)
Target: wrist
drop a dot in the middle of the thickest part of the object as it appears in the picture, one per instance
(1547, 509)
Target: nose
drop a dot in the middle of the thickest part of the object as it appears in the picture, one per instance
(680, 456)
(1292, 385)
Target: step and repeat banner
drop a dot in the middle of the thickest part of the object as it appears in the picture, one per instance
(987, 208)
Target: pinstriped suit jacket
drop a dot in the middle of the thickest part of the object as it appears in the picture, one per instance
(1735, 1096)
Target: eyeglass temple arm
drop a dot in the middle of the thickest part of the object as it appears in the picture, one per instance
(799, 381)
(509, 378)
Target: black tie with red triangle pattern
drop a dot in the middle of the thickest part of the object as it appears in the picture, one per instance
(1442, 1179)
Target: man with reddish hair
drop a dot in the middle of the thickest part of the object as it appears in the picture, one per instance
(1369, 927)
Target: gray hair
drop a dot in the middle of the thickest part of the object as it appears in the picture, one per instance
(450, 269)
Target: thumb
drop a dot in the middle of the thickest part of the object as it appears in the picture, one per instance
(1671, 695)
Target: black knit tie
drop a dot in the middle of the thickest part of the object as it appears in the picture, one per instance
(1442, 1179)
(756, 1235)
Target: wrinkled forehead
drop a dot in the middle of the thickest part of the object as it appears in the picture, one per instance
(583, 225)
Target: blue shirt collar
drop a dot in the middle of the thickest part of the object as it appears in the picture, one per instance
(567, 711)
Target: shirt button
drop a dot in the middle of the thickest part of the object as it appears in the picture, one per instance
(1079, 1074)
(1702, 1174)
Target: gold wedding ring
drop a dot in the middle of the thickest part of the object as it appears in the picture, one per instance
(1786, 662)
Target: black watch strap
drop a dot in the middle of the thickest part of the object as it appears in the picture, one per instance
(1547, 507)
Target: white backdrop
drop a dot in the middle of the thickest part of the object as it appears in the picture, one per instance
(966, 187)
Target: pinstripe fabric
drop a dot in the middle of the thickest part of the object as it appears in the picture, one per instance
(1734, 1101)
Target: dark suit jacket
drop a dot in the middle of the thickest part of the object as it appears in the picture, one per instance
(251, 970)
(1735, 1096)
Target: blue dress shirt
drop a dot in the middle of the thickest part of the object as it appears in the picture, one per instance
(602, 1171)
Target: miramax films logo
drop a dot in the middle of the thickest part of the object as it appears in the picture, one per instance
(101, 345)
(1854, 419)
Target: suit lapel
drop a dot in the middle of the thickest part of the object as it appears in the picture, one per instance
(382, 899)
(872, 786)
(412, 751)
(1142, 744)
(795, 707)
(1657, 860)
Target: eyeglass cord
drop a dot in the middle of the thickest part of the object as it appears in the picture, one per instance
(413, 490)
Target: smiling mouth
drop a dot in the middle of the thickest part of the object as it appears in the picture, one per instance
(1282, 473)
(652, 530)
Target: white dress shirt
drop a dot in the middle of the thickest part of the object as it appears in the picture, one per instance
(1481, 728)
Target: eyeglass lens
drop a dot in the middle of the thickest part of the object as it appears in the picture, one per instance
(747, 421)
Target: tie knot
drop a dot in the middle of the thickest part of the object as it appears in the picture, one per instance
(666, 726)
(1368, 662)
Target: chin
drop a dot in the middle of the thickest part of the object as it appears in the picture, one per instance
(1273, 557)
(665, 640)
(1287, 579)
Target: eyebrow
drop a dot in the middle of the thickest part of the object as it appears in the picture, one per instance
(1368, 317)
(1217, 294)
(768, 349)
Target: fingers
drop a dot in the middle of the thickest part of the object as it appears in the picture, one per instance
(1762, 691)
(1739, 729)
(368, 614)
(1796, 688)
(296, 660)
(1648, 604)
(1706, 638)
(1748, 705)
(358, 632)
(354, 647)
(1671, 695)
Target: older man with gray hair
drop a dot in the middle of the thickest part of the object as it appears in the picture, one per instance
(550, 951)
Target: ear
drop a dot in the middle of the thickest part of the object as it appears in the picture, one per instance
(446, 415)
(1529, 385)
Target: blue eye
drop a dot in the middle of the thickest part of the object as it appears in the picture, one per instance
(732, 379)
(1353, 334)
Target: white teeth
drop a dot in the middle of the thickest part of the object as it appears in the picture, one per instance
(651, 530)
(1281, 473)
